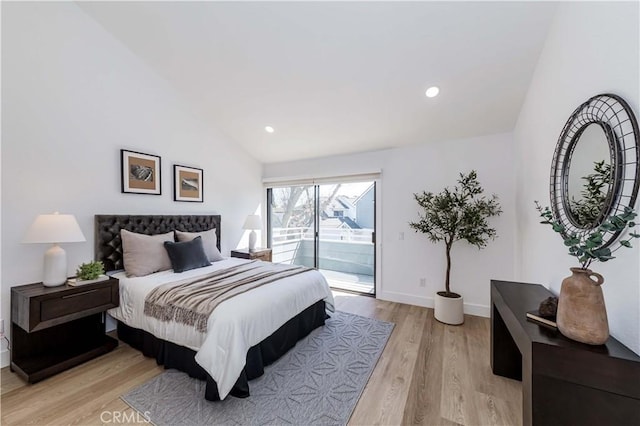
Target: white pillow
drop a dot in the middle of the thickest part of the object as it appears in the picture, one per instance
(144, 254)
(209, 242)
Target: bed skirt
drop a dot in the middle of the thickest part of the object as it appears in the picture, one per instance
(264, 353)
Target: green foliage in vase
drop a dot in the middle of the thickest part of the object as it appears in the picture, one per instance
(90, 271)
(458, 214)
(587, 246)
(588, 208)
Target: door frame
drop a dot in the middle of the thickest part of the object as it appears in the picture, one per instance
(378, 212)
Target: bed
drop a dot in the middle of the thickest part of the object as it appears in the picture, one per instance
(243, 334)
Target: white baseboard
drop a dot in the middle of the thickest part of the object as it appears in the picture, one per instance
(4, 358)
(427, 302)
(477, 310)
(407, 299)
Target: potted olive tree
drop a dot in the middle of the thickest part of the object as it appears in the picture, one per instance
(454, 215)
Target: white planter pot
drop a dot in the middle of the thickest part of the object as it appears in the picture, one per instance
(449, 310)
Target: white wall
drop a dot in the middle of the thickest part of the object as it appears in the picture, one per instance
(591, 48)
(72, 97)
(430, 167)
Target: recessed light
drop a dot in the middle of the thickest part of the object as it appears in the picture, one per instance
(432, 92)
(269, 129)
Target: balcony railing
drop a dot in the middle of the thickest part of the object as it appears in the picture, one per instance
(287, 235)
(348, 251)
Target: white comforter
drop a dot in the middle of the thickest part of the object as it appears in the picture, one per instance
(234, 326)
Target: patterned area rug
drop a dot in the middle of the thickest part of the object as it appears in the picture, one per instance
(319, 381)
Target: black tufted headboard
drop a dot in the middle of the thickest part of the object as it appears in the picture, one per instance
(108, 245)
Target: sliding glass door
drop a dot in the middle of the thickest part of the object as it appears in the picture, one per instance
(330, 227)
(346, 235)
(291, 224)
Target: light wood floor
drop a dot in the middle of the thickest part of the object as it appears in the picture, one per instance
(429, 373)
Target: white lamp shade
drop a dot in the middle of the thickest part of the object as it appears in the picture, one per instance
(253, 222)
(54, 228)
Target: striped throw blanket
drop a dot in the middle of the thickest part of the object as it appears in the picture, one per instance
(191, 301)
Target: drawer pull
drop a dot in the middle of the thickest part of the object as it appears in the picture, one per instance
(79, 294)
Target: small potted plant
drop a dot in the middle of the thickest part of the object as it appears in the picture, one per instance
(582, 314)
(454, 215)
(90, 272)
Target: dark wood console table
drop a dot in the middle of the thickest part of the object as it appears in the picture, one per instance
(563, 382)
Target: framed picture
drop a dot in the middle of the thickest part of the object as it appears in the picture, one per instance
(140, 173)
(187, 184)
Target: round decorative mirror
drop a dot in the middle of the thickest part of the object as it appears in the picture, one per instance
(594, 173)
(590, 184)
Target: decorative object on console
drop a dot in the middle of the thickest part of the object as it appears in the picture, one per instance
(549, 307)
(252, 223)
(187, 184)
(55, 229)
(450, 216)
(140, 173)
(546, 312)
(594, 186)
(582, 314)
(537, 317)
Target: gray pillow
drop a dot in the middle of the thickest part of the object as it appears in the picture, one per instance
(209, 242)
(144, 254)
(187, 255)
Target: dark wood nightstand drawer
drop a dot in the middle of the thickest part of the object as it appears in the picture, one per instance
(35, 307)
(74, 302)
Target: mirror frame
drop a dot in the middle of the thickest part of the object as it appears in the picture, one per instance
(616, 119)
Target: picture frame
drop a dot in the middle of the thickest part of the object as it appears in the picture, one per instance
(140, 173)
(188, 184)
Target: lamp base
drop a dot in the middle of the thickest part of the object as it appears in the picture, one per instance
(252, 240)
(55, 267)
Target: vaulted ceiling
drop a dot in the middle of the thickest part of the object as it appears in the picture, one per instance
(336, 78)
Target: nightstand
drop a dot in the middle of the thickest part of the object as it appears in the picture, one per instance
(56, 328)
(259, 253)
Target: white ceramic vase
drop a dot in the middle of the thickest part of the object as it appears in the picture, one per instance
(449, 310)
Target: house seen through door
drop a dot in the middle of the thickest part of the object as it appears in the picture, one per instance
(330, 227)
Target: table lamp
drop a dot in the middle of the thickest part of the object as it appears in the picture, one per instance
(253, 222)
(55, 229)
